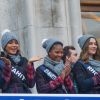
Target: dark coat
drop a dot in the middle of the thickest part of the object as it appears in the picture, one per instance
(43, 84)
(19, 81)
(84, 79)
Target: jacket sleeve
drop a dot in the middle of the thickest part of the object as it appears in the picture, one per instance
(2, 80)
(4, 77)
(30, 76)
(69, 84)
(84, 81)
(44, 86)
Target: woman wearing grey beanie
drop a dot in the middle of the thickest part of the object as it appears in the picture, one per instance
(52, 75)
(18, 74)
(87, 69)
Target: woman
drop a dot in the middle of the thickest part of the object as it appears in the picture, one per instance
(17, 74)
(52, 75)
(87, 69)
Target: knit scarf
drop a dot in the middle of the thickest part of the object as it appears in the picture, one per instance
(95, 64)
(15, 58)
(57, 67)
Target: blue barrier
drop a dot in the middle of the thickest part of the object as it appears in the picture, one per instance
(47, 98)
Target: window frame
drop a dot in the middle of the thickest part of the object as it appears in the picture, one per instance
(90, 5)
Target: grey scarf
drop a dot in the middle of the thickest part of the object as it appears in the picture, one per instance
(57, 67)
(95, 64)
(15, 58)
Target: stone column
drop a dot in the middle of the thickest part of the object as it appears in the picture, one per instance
(29, 32)
(45, 19)
(75, 21)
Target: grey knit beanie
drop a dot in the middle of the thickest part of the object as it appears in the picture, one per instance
(48, 43)
(7, 36)
(82, 40)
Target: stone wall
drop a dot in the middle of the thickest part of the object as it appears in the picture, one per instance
(34, 20)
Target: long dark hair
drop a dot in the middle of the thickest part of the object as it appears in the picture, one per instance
(84, 53)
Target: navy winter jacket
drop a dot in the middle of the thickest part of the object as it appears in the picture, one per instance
(20, 81)
(84, 79)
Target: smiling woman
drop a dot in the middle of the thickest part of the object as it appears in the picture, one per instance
(12, 47)
(87, 69)
(18, 74)
(53, 76)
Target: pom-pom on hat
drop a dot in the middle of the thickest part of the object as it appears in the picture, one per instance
(48, 43)
(6, 37)
(82, 40)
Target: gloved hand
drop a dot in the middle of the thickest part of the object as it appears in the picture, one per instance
(96, 79)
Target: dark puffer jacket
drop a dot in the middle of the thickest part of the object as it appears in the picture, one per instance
(84, 79)
(43, 83)
(20, 79)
